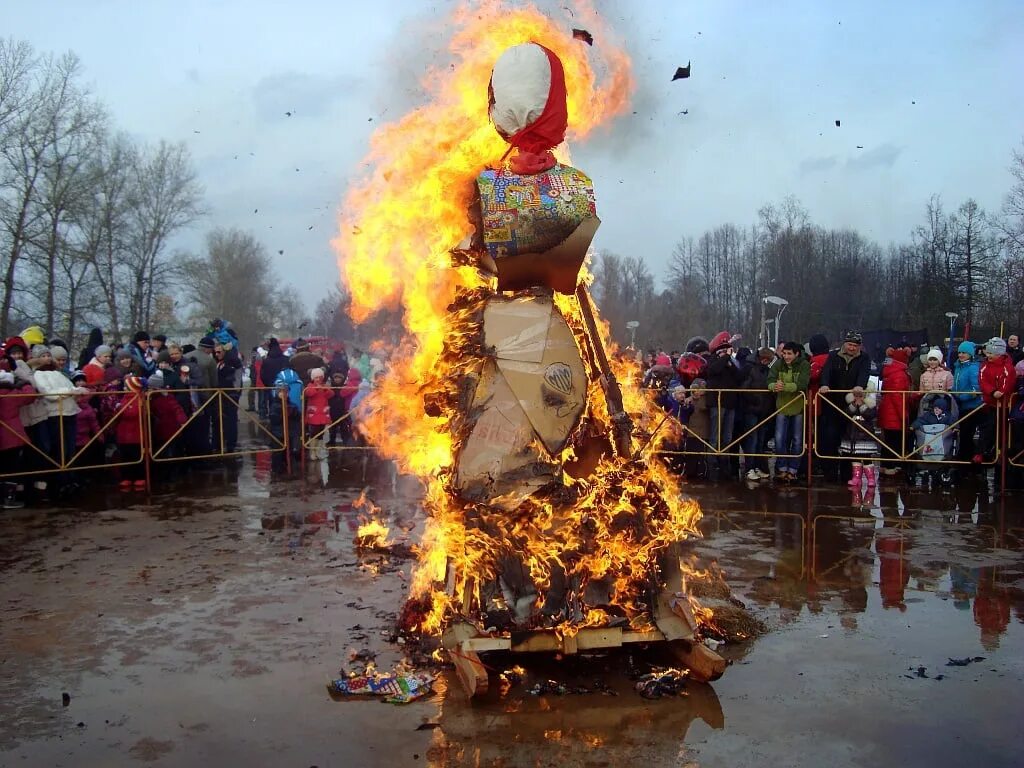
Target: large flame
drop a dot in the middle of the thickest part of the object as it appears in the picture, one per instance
(397, 230)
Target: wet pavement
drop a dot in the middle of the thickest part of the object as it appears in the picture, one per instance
(200, 625)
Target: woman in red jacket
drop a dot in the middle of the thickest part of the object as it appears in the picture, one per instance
(894, 409)
(317, 396)
(128, 432)
(998, 380)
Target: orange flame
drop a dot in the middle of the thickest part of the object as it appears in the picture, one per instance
(398, 227)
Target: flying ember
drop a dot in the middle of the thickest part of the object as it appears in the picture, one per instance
(547, 509)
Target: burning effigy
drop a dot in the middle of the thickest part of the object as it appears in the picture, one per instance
(551, 525)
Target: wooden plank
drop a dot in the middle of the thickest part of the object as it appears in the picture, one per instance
(483, 644)
(569, 644)
(458, 633)
(653, 636)
(599, 637)
(704, 664)
(471, 671)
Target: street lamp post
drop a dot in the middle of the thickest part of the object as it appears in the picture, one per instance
(632, 325)
(952, 331)
(780, 304)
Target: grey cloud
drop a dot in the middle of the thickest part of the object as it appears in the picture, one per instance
(882, 156)
(301, 94)
(815, 164)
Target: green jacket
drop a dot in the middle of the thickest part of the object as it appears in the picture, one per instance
(794, 378)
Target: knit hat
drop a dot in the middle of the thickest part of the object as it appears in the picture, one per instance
(122, 354)
(133, 383)
(38, 350)
(935, 354)
(33, 335)
(995, 346)
(301, 344)
(967, 347)
(156, 381)
(58, 353)
(720, 341)
(140, 336)
(765, 353)
(698, 384)
(206, 342)
(16, 341)
(184, 369)
(102, 349)
(76, 375)
(164, 356)
(316, 374)
(854, 337)
(161, 338)
(818, 344)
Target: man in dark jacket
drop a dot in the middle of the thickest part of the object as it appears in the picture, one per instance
(203, 374)
(723, 373)
(756, 407)
(139, 350)
(846, 370)
(229, 379)
(303, 361)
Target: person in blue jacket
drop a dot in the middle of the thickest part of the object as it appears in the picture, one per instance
(965, 382)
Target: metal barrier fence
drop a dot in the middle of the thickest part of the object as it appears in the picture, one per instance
(905, 454)
(314, 436)
(50, 444)
(717, 448)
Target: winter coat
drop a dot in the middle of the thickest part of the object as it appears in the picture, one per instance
(364, 366)
(113, 374)
(94, 372)
(937, 380)
(34, 411)
(915, 368)
(723, 373)
(128, 430)
(86, 425)
(339, 364)
(893, 407)
(352, 382)
(337, 403)
(304, 362)
(142, 364)
(966, 378)
(228, 369)
(168, 417)
(318, 408)
(205, 365)
(843, 373)
(699, 423)
(289, 378)
(59, 391)
(273, 364)
(12, 400)
(795, 379)
(863, 415)
(998, 375)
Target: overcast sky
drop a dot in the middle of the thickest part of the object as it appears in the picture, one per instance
(931, 91)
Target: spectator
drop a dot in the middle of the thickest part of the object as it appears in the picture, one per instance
(723, 373)
(114, 374)
(128, 431)
(698, 430)
(61, 414)
(846, 369)
(157, 345)
(303, 361)
(317, 397)
(935, 378)
(340, 426)
(918, 362)
(818, 348)
(34, 415)
(756, 407)
(203, 378)
(168, 418)
(998, 381)
(351, 387)
(363, 364)
(88, 452)
(255, 365)
(89, 352)
(862, 409)
(15, 394)
(894, 410)
(339, 364)
(229, 381)
(95, 368)
(273, 364)
(288, 380)
(1013, 349)
(789, 379)
(967, 388)
(139, 351)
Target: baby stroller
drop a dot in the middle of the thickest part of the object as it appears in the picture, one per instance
(936, 442)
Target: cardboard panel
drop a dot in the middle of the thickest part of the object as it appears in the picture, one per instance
(517, 329)
(553, 392)
(500, 462)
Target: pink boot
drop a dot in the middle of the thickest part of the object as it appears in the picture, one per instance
(869, 473)
(855, 480)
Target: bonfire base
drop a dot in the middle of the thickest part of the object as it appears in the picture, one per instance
(464, 645)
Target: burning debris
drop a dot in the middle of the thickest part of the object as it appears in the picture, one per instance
(549, 528)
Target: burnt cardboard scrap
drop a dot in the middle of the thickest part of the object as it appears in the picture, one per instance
(500, 461)
(536, 228)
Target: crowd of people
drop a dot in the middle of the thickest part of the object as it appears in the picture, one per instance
(737, 408)
(60, 421)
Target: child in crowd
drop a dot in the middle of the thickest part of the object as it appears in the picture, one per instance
(860, 430)
(339, 424)
(698, 430)
(318, 412)
(935, 378)
(168, 418)
(88, 452)
(128, 429)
